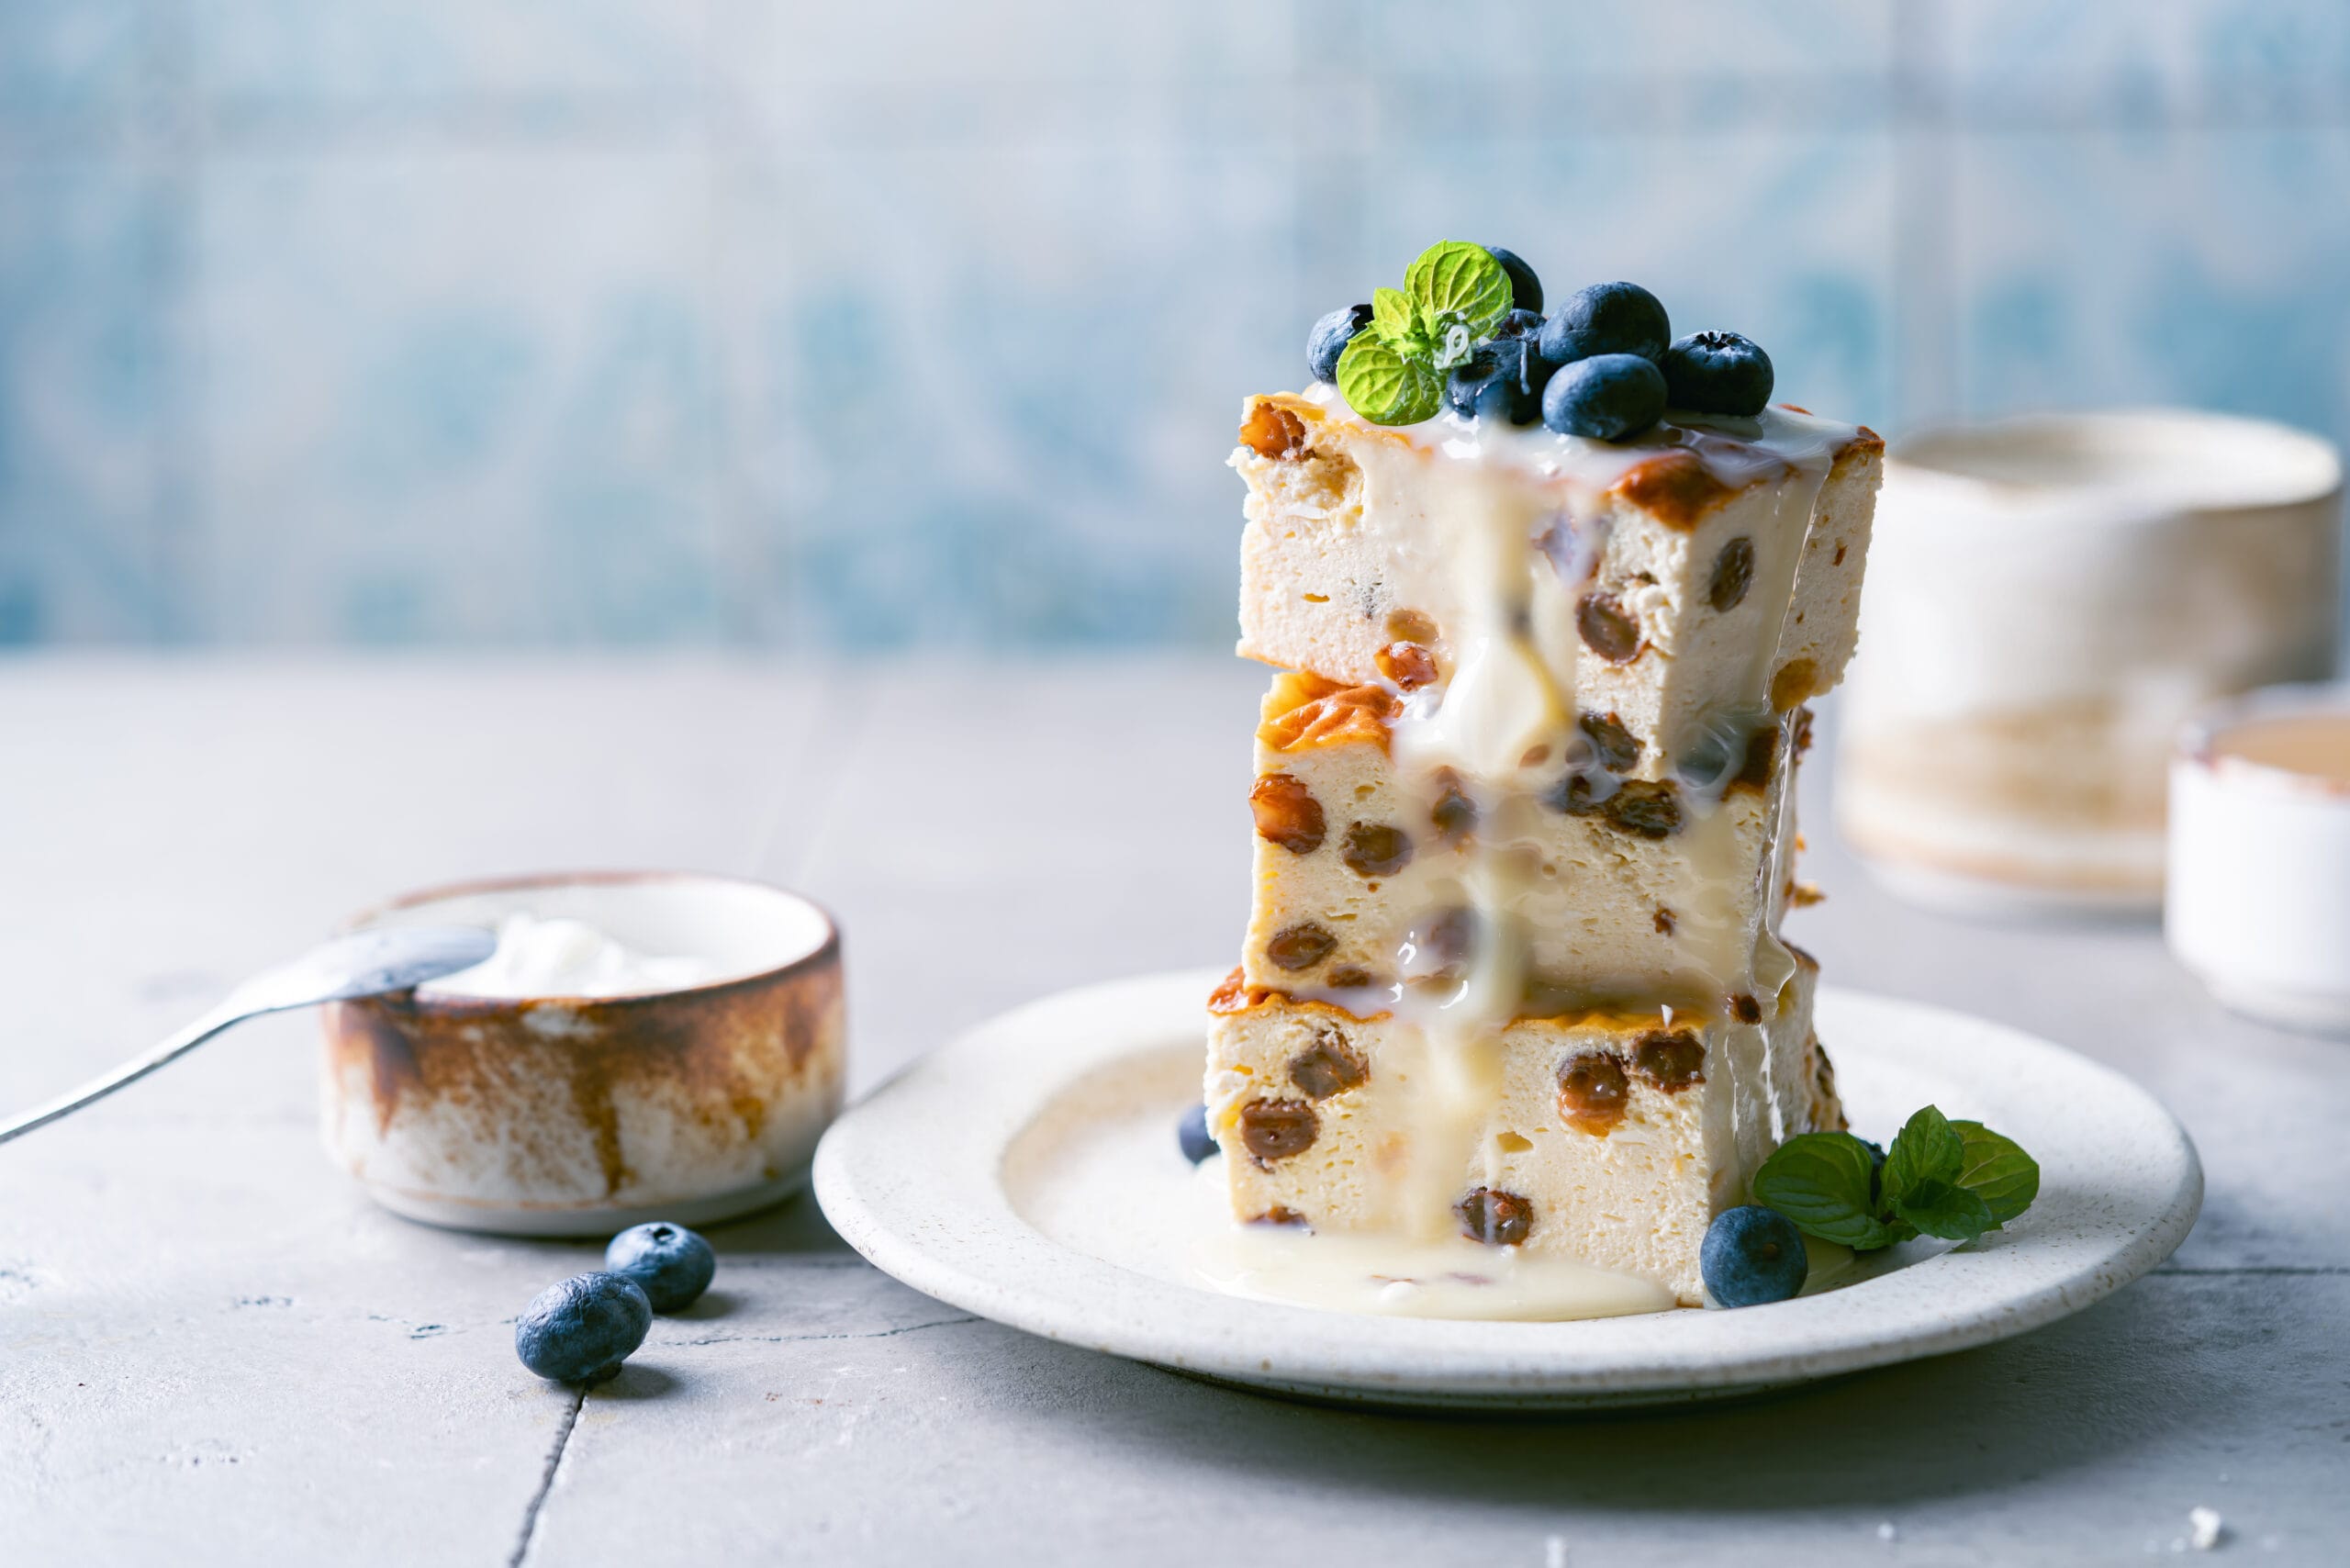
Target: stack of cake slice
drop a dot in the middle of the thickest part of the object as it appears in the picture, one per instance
(1525, 822)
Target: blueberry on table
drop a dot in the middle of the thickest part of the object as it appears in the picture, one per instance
(1525, 288)
(581, 1330)
(1192, 1133)
(1330, 337)
(1606, 318)
(1605, 397)
(672, 1264)
(1718, 373)
(1752, 1256)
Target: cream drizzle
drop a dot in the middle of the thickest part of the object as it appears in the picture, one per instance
(1737, 451)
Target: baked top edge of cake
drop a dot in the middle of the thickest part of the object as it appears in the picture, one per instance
(1679, 471)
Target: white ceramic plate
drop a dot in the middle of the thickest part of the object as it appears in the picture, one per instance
(1028, 1172)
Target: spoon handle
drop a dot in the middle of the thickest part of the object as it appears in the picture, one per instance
(131, 1071)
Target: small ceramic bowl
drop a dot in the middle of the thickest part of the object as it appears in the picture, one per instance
(569, 1115)
(2258, 904)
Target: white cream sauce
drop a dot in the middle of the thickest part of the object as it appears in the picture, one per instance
(1448, 1276)
(1444, 1275)
(1735, 450)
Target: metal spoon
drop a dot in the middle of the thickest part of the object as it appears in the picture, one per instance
(366, 963)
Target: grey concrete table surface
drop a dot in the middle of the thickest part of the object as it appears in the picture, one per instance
(213, 1349)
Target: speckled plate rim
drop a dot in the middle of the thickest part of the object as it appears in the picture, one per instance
(912, 1178)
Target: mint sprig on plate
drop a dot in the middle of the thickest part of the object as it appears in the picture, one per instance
(1952, 1179)
(1454, 297)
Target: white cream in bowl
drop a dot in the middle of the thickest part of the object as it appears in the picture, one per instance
(556, 955)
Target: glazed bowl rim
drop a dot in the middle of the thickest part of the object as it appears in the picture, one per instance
(2199, 736)
(826, 954)
(1931, 452)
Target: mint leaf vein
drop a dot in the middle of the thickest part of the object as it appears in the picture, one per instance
(1995, 1169)
(1385, 386)
(1456, 283)
(1952, 1179)
(1925, 1151)
(1820, 1181)
(1944, 1209)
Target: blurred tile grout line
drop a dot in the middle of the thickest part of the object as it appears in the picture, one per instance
(1924, 305)
(740, 536)
(181, 489)
(526, 1537)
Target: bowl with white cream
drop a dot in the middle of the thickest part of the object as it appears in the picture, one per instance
(2258, 905)
(640, 1046)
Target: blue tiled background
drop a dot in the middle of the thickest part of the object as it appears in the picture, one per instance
(911, 322)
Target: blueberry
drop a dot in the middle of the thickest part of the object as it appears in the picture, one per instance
(1525, 324)
(1460, 388)
(1502, 381)
(1606, 318)
(581, 1330)
(1330, 337)
(1718, 373)
(1876, 1170)
(1525, 288)
(1192, 1134)
(1752, 1256)
(673, 1264)
(1605, 397)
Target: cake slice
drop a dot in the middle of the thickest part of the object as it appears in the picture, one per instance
(1550, 594)
(1625, 888)
(1685, 582)
(1610, 1137)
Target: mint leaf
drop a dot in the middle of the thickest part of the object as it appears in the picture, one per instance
(1925, 1151)
(1463, 293)
(1392, 314)
(1953, 1180)
(1943, 1209)
(1384, 384)
(1995, 1169)
(1820, 1181)
(1393, 374)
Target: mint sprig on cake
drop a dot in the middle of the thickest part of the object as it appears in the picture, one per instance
(1466, 332)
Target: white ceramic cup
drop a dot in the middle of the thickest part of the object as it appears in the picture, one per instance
(2048, 599)
(2258, 903)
